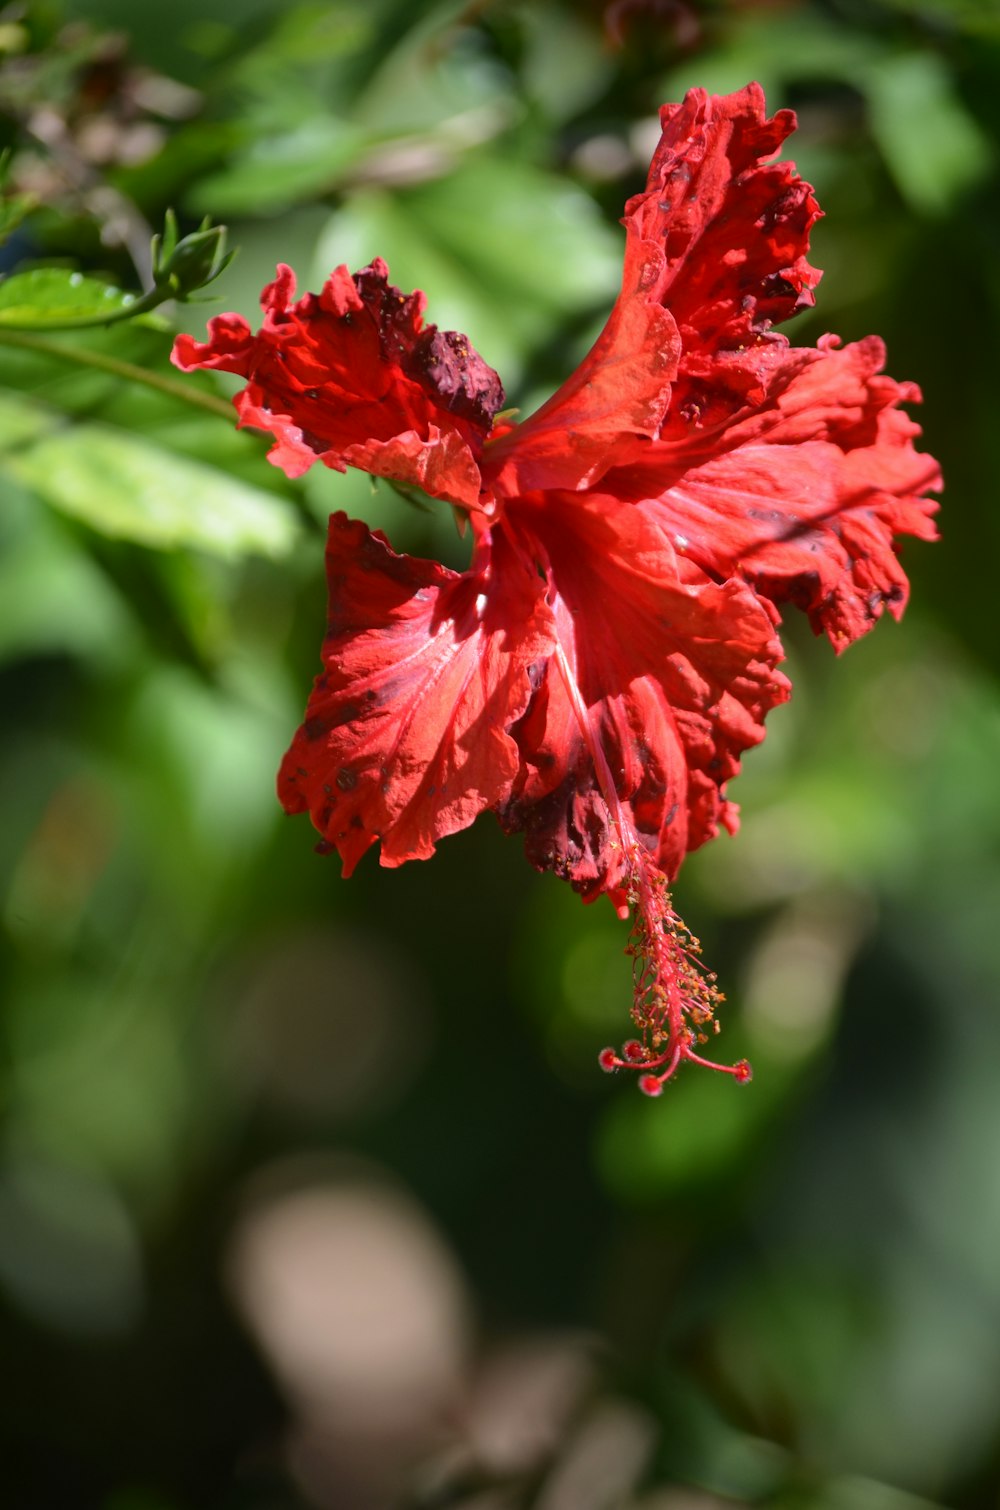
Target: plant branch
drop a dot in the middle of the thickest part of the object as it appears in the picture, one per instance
(185, 392)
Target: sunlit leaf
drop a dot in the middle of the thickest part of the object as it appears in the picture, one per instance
(523, 229)
(438, 75)
(566, 63)
(53, 295)
(125, 487)
(21, 420)
(932, 145)
(41, 570)
(276, 171)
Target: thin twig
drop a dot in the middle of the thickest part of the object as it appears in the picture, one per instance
(186, 393)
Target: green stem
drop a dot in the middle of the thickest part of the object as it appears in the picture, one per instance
(187, 393)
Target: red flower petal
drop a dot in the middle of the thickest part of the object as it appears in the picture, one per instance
(353, 378)
(734, 228)
(677, 678)
(405, 737)
(618, 394)
(718, 237)
(804, 494)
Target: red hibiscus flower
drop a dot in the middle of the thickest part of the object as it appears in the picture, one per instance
(597, 672)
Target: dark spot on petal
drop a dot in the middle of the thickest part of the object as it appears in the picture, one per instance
(445, 363)
(777, 286)
(346, 779)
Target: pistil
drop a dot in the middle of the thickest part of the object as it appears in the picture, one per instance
(674, 998)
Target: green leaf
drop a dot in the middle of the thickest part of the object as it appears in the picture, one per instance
(278, 171)
(567, 64)
(128, 489)
(41, 570)
(49, 296)
(932, 145)
(555, 249)
(21, 420)
(13, 209)
(436, 80)
(980, 17)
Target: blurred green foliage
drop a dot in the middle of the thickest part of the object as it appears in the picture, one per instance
(793, 1291)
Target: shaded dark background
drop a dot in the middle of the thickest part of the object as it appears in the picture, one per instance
(311, 1193)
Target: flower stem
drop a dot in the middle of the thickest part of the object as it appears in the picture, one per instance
(185, 392)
